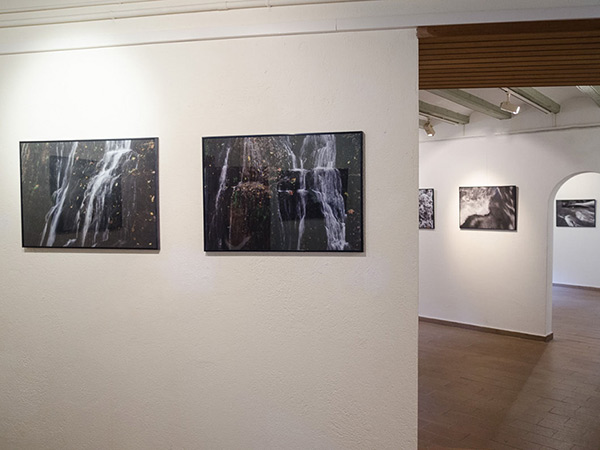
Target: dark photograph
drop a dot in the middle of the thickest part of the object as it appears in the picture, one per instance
(575, 213)
(90, 194)
(426, 209)
(488, 207)
(283, 193)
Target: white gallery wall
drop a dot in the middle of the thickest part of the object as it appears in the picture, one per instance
(576, 250)
(183, 349)
(497, 279)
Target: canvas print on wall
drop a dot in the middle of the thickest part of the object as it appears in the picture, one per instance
(283, 192)
(426, 209)
(90, 194)
(575, 213)
(488, 207)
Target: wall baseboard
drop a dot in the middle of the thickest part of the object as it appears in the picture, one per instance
(575, 286)
(467, 326)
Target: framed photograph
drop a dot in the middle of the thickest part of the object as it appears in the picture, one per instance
(488, 208)
(426, 209)
(284, 193)
(576, 213)
(90, 194)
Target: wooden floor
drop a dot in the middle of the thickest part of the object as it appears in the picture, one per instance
(485, 391)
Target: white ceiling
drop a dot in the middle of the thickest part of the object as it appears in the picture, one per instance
(389, 13)
(31, 5)
(441, 5)
(15, 13)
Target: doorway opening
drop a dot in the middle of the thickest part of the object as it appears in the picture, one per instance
(455, 399)
(576, 237)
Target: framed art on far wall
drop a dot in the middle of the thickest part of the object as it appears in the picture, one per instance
(575, 213)
(300, 193)
(90, 194)
(426, 209)
(488, 207)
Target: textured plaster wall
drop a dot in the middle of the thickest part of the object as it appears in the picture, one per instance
(576, 256)
(494, 278)
(181, 349)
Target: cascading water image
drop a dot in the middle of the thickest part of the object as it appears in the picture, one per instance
(90, 194)
(283, 192)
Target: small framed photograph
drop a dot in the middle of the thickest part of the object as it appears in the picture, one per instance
(576, 213)
(426, 209)
(488, 208)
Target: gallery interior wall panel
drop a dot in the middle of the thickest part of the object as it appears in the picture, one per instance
(178, 348)
(482, 277)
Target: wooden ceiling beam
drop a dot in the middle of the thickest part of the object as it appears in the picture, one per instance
(592, 91)
(536, 99)
(429, 110)
(533, 41)
(478, 30)
(472, 102)
(582, 64)
(511, 55)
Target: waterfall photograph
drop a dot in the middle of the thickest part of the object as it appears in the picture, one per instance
(426, 209)
(90, 194)
(488, 207)
(576, 213)
(299, 192)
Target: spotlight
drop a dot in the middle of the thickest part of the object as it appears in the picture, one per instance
(508, 106)
(429, 128)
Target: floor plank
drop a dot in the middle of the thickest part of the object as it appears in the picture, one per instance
(487, 391)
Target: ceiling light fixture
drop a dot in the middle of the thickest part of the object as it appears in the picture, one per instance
(534, 98)
(428, 127)
(508, 106)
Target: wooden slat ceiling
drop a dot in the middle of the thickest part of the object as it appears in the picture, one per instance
(545, 53)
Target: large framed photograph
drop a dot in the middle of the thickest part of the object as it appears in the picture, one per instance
(575, 213)
(488, 207)
(426, 209)
(90, 194)
(300, 193)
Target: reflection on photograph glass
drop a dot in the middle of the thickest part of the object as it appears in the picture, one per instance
(575, 213)
(488, 207)
(90, 194)
(283, 193)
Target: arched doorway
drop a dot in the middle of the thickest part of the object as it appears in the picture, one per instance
(576, 237)
(570, 240)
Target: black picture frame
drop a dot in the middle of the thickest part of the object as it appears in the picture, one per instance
(426, 209)
(576, 213)
(283, 192)
(92, 194)
(488, 208)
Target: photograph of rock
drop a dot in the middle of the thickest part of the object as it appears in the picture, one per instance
(90, 194)
(283, 193)
(575, 213)
(488, 207)
(426, 209)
